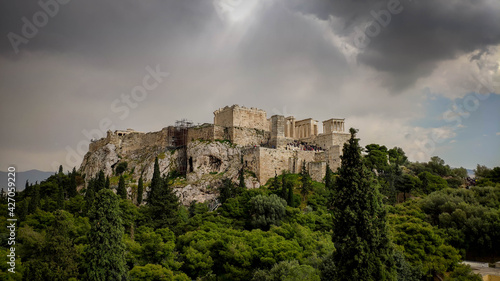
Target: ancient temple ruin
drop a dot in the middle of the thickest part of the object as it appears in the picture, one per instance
(267, 146)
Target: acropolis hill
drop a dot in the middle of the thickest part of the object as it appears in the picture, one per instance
(239, 138)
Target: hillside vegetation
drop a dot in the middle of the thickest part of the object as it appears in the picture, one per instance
(379, 217)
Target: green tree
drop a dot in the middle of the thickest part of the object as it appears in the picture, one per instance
(156, 183)
(226, 190)
(241, 178)
(122, 190)
(363, 249)
(377, 157)
(267, 210)
(164, 206)
(50, 255)
(105, 254)
(329, 181)
(306, 182)
(140, 191)
(35, 200)
(289, 271)
(107, 185)
(121, 167)
(72, 191)
(100, 182)
(60, 197)
(155, 272)
(397, 156)
(89, 195)
(284, 185)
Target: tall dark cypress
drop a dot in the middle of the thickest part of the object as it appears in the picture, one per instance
(105, 254)
(72, 191)
(90, 195)
(328, 178)
(121, 191)
(363, 250)
(35, 200)
(140, 191)
(107, 184)
(156, 183)
(100, 182)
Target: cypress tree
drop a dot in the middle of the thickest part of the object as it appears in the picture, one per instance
(140, 190)
(363, 250)
(242, 179)
(35, 200)
(275, 183)
(105, 254)
(284, 186)
(328, 178)
(164, 209)
(306, 182)
(60, 197)
(72, 192)
(89, 195)
(100, 182)
(156, 183)
(289, 185)
(107, 184)
(121, 191)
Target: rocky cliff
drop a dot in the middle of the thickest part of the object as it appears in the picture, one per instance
(204, 163)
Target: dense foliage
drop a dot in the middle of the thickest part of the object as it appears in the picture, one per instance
(428, 219)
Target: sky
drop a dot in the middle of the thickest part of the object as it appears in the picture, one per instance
(418, 74)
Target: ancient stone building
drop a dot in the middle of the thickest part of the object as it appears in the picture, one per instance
(239, 138)
(278, 143)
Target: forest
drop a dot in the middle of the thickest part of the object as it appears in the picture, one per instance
(378, 217)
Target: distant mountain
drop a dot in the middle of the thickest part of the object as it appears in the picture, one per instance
(32, 176)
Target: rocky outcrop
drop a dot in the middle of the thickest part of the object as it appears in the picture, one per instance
(207, 163)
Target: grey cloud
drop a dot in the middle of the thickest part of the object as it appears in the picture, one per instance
(423, 34)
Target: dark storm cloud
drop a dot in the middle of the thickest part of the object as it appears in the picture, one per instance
(103, 29)
(423, 34)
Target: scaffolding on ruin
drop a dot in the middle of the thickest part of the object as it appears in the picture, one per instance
(180, 133)
(179, 141)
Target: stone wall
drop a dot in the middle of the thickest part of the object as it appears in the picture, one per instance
(331, 139)
(236, 116)
(205, 132)
(317, 170)
(270, 161)
(248, 136)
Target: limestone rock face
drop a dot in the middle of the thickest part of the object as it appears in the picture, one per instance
(212, 158)
(103, 158)
(208, 164)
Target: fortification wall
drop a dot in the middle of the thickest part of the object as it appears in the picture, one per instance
(317, 170)
(248, 136)
(205, 132)
(271, 161)
(331, 139)
(236, 116)
(224, 117)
